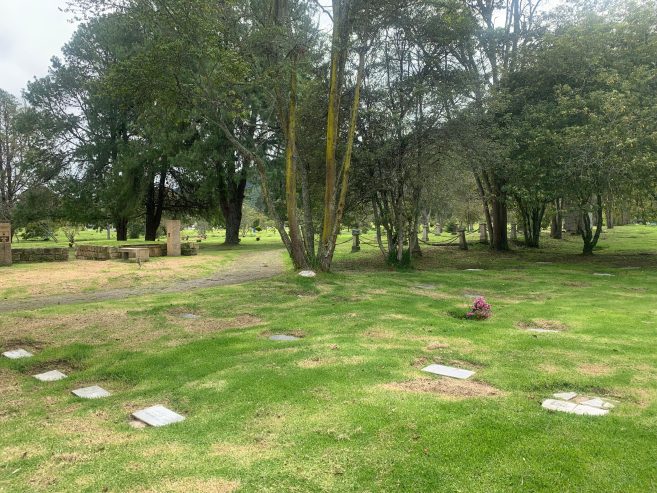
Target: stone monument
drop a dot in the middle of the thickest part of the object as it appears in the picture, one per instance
(173, 238)
(5, 244)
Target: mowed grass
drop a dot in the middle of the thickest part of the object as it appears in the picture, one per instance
(346, 408)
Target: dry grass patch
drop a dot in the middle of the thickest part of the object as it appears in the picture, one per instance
(91, 430)
(193, 485)
(244, 455)
(448, 388)
(96, 326)
(539, 323)
(317, 362)
(434, 295)
(208, 326)
(437, 345)
(594, 370)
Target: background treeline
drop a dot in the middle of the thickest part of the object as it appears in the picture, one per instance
(401, 114)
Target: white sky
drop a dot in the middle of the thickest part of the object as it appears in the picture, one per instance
(31, 33)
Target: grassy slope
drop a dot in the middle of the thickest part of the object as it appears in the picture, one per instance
(313, 415)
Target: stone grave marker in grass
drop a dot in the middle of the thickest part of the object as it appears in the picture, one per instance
(50, 376)
(157, 416)
(573, 408)
(307, 273)
(283, 337)
(93, 392)
(603, 274)
(17, 354)
(565, 396)
(474, 270)
(190, 316)
(449, 371)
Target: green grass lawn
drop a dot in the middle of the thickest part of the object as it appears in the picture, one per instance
(346, 408)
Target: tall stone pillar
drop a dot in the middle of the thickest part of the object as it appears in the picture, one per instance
(463, 243)
(5, 244)
(483, 233)
(355, 244)
(173, 238)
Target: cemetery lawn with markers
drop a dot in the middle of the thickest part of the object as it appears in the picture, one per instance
(346, 407)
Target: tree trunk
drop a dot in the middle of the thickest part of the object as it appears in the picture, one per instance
(499, 235)
(556, 225)
(121, 226)
(590, 238)
(233, 217)
(532, 217)
(155, 206)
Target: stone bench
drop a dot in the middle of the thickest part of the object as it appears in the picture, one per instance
(135, 254)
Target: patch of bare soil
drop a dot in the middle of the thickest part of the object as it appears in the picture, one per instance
(539, 323)
(66, 366)
(448, 388)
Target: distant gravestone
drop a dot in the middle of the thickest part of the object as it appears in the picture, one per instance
(93, 392)
(483, 233)
(17, 354)
(173, 238)
(603, 274)
(307, 273)
(463, 243)
(189, 316)
(50, 376)
(5, 244)
(449, 371)
(283, 337)
(474, 270)
(158, 416)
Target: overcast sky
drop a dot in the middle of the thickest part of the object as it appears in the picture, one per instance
(31, 33)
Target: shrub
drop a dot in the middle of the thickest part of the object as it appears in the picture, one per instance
(480, 310)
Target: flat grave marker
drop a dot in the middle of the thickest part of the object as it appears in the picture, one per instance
(565, 396)
(190, 316)
(50, 376)
(307, 273)
(599, 403)
(283, 337)
(474, 270)
(542, 331)
(17, 354)
(573, 408)
(603, 274)
(449, 371)
(93, 392)
(157, 416)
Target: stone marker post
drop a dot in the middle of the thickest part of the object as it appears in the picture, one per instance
(5, 244)
(439, 229)
(514, 231)
(483, 233)
(463, 244)
(355, 245)
(173, 238)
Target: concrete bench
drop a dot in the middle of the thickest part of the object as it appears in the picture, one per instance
(135, 254)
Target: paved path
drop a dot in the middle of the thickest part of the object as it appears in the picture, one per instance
(248, 267)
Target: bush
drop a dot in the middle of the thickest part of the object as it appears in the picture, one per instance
(480, 310)
(452, 227)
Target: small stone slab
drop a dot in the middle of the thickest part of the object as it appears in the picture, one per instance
(189, 316)
(17, 354)
(50, 376)
(449, 371)
(565, 396)
(158, 416)
(599, 403)
(572, 408)
(283, 337)
(307, 273)
(427, 287)
(93, 392)
(542, 331)
(603, 274)
(544, 263)
(474, 270)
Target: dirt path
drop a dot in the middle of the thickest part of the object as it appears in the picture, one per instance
(248, 267)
